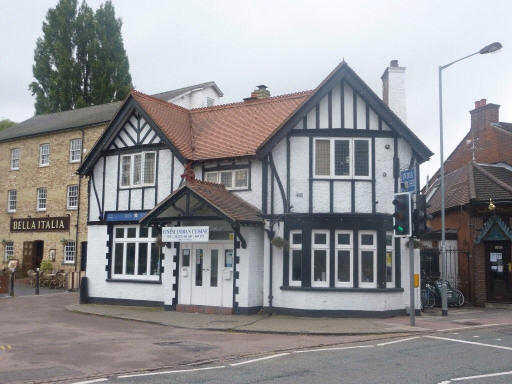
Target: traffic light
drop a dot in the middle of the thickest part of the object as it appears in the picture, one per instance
(421, 217)
(402, 216)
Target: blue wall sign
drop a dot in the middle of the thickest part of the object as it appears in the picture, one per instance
(408, 180)
(125, 216)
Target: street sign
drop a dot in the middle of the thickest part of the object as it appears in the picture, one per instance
(408, 180)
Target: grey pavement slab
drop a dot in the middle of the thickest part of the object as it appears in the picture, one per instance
(26, 290)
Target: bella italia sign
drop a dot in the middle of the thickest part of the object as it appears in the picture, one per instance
(40, 224)
(186, 234)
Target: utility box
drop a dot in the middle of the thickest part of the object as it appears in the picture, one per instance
(4, 282)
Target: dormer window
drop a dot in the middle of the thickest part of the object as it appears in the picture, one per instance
(138, 170)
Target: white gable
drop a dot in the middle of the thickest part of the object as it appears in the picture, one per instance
(136, 131)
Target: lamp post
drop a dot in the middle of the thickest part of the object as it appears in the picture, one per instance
(487, 49)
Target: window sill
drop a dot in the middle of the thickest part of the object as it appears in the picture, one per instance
(44, 165)
(340, 289)
(74, 162)
(14, 169)
(8, 211)
(125, 188)
(68, 262)
(138, 281)
(72, 208)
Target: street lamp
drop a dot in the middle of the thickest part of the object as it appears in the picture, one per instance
(487, 49)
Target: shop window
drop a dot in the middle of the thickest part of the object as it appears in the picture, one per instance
(70, 252)
(344, 258)
(138, 170)
(136, 254)
(75, 151)
(15, 159)
(390, 260)
(231, 179)
(9, 250)
(11, 200)
(320, 259)
(295, 258)
(367, 259)
(342, 158)
(72, 197)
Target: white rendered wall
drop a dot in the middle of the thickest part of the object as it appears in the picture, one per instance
(384, 180)
(250, 268)
(196, 99)
(253, 196)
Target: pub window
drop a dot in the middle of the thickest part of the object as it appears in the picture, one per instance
(390, 260)
(342, 158)
(15, 159)
(75, 150)
(136, 254)
(138, 170)
(69, 251)
(367, 259)
(9, 250)
(231, 179)
(344, 258)
(72, 197)
(11, 200)
(44, 155)
(295, 258)
(41, 199)
(320, 258)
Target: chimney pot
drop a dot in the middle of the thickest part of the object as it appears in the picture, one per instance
(483, 102)
(261, 92)
(393, 63)
(477, 104)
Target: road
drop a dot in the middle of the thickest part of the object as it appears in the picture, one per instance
(479, 356)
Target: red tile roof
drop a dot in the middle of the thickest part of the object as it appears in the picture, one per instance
(229, 130)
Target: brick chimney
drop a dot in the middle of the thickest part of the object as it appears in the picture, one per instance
(483, 115)
(261, 92)
(393, 89)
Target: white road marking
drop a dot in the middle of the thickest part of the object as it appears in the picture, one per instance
(476, 337)
(334, 348)
(455, 333)
(259, 359)
(167, 372)
(476, 377)
(91, 381)
(471, 326)
(499, 339)
(398, 341)
(470, 342)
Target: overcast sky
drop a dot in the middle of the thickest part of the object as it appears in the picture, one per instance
(292, 46)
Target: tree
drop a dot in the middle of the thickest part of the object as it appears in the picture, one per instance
(6, 123)
(80, 60)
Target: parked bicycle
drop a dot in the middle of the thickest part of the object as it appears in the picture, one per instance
(431, 295)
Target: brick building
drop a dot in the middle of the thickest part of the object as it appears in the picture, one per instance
(44, 210)
(477, 173)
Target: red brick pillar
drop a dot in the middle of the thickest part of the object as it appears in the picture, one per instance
(479, 283)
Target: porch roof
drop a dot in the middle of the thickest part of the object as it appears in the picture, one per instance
(206, 197)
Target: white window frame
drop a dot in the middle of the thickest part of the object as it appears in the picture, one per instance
(368, 248)
(344, 247)
(73, 151)
(68, 197)
(294, 247)
(8, 250)
(351, 174)
(327, 257)
(233, 178)
(69, 252)
(15, 166)
(137, 240)
(43, 152)
(40, 199)
(12, 201)
(391, 248)
(131, 170)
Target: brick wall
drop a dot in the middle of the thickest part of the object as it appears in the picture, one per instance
(56, 177)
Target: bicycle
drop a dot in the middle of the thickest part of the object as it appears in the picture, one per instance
(428, 297)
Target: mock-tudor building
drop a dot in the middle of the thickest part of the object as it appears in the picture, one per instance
(478, 171)
(279, 203)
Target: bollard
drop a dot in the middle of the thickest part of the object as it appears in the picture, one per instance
(37, 281)
(12, 284)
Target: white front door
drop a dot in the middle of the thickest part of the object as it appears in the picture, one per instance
(206, 275)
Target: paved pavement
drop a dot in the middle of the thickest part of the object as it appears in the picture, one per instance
(26, 290)
(41, 341)
(472, 357)
(428, 322)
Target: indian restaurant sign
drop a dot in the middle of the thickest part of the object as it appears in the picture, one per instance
(185, 234)
(40, 224)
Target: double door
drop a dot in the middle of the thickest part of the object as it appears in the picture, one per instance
(206, 275)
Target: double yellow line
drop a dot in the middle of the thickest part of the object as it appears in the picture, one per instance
(6, 347)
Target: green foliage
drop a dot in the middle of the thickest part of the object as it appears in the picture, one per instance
(80, 60)
(6, 123)
(46, 266)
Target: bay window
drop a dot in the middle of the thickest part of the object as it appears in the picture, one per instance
(343, 258)
(138, 170)
(342, 158)
(367, 259)
(295, 258)
(135, 253)
(320, 258)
